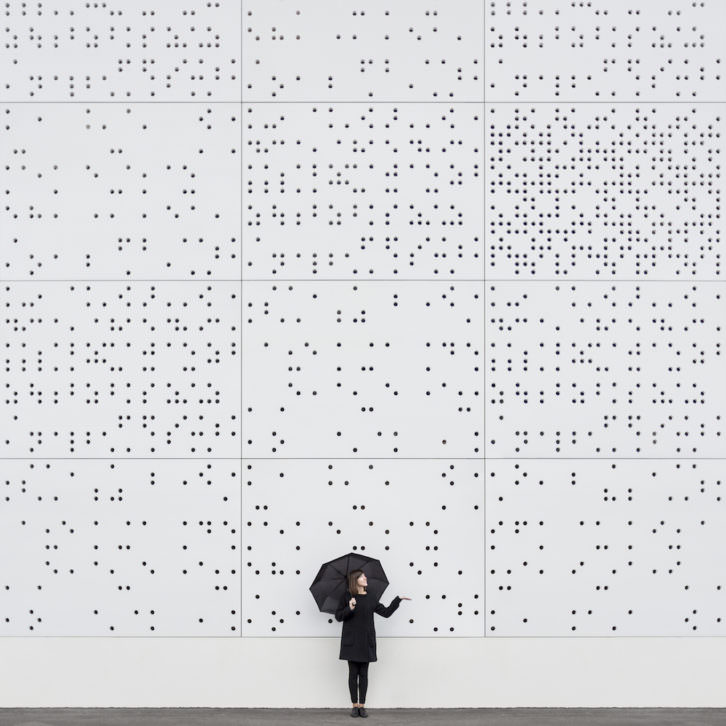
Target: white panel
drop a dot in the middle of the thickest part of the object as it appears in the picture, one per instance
(422, 519)
(600, 369)
(134, 191)
(346, 51)
(374, 370)
(596, 548)
(121, 369)
(605, 191)
(369, 191)
(610, 50)
(69, 51)
(120, 548)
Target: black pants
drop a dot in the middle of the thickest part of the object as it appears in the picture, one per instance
(357, 681)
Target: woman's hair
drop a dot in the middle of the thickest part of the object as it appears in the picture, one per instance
(353, 581)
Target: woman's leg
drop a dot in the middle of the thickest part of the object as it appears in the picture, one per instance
(353, 669)
(363, 682)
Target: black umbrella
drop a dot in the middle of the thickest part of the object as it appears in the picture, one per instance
(331, 582)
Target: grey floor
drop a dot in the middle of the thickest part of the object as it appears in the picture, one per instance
(318, 716)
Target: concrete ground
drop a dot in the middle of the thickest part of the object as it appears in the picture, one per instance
(388, 716)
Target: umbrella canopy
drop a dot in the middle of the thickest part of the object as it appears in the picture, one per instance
(331, 582)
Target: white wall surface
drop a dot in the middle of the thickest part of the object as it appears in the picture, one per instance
(410, 672)
(439, 284)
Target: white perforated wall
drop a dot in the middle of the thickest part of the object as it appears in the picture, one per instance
(438, 283)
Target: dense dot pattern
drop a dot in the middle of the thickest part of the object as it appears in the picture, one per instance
(439, 284)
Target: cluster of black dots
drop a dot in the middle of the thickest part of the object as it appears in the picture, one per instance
(623, 517)
(102, 52)
(598, 190)
(595, 50)
(89, 532)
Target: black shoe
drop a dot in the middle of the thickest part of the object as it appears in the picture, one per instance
(354, 711)
(362, 711)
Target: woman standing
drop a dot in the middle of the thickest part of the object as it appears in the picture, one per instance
(358, 639)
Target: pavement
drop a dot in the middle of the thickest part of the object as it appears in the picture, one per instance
(387, 716)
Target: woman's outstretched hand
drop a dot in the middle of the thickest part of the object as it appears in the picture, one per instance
(351, 602)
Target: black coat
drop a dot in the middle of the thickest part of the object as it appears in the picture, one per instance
(358, 639)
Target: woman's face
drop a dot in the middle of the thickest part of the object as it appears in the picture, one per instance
(362, 581)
